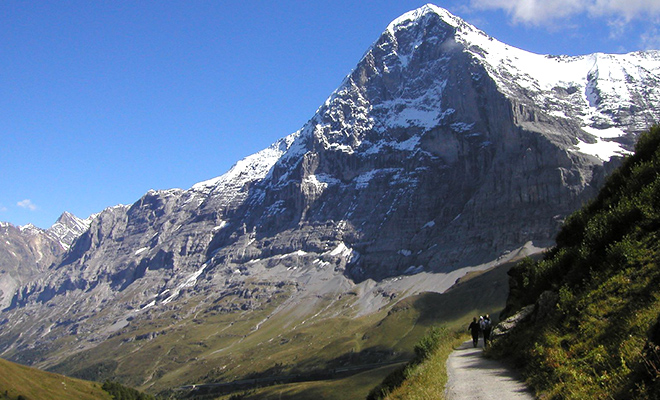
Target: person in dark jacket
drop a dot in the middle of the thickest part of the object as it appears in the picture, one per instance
(474, 329)
(487, 327)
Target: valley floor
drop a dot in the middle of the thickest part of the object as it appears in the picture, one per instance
(475, 377)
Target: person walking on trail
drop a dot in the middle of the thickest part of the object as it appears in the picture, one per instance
(474, 329)
(487, 328)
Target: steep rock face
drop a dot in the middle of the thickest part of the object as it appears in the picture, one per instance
(23, 253)
(430, 142)
(442, 150)
(26, 251)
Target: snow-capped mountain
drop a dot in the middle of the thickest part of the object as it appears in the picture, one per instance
(442, 152)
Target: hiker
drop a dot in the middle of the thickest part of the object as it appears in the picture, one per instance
(474, 329)
(487, 328)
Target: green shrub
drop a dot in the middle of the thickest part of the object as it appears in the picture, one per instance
(428, 345)
(121, 392)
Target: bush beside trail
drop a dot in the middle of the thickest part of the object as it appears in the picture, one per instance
(425, 371)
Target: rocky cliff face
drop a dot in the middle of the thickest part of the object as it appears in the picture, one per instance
(443, 150)
(26, 251)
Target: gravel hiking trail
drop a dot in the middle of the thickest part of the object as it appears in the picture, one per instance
(475, 377)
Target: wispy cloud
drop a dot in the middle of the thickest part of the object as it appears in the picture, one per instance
(533, 12)
(547, 13)
(27, 204)
(626, 9)
(651, 39)
(3, 208)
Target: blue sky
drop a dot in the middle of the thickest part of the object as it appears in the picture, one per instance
(101, 101)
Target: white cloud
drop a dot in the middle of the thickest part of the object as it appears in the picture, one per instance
(533, 12)
(626, 9)
(27, 204)
(544, 12)
(3, 208)
(651, 40)
(617, 27)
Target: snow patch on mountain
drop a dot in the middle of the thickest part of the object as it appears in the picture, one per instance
(407, 145)
(189, 282)
(362, 180)
(30, 229)
(297, 253)
(250, 169)
(346, 252)
(220, 226)
(604, 148)
(424, 111)
(68, 228)
(320, 182)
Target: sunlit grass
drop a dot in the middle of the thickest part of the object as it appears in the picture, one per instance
(32, 383)
(428, 380)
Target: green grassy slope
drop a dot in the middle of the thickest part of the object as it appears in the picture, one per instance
(428, 380)
(353, 387)
(226, 346)
(337, 342)
(396, 332)
(425, 376)
(166, 351)
(598, 334)
(30, 383)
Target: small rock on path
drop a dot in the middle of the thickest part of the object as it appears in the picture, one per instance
(475, 377)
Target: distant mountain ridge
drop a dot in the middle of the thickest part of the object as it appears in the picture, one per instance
(444, 151)
(26, 251)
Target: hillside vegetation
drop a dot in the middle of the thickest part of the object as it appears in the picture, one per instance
(425, 376)
(21, 382)
(595, 330)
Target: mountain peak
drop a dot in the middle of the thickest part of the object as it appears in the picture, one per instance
(29, 228)
(67, 228)
(66, 216)
(5, 224)
(417, 15)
